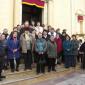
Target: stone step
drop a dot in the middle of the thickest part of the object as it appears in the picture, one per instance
(21, 70)
(27, 75)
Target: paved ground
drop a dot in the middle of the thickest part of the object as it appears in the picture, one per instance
(75, 78)
(52, 78)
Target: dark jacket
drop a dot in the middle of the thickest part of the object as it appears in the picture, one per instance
(75, 45)
(40, 45)
(2, 49)
(5, 46)
(46, 37)
(51, 49)
(67, 48)
(82, 48)
(11, 46)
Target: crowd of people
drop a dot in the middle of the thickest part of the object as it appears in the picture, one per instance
(40, 45)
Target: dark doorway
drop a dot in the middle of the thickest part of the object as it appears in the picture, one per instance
(31, 13)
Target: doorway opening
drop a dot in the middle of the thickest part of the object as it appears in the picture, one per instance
(31, 13)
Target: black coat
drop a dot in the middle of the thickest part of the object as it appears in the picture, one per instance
(82, 49)
(2, 51)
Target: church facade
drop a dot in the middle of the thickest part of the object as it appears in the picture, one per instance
(63, 14)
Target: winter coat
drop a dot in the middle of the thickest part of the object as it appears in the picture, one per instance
(23, 43)
(59, 45)
(82, 48)
(2, 49)
(67, 48)
(5, 45)
(51, 49)
(40, 45)
(11, 46)
(75, 45)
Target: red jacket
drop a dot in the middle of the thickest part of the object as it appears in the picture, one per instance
(59, 45)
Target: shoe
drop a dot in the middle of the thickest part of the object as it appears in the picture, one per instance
(66, 67)
(12, 70)
(37, 73)
(0, 79)
(30, 68)
(3, 77)
(25, 69)
(6, 68)
(43, 72)
(49, 70)
(17, 70)
(54, 70)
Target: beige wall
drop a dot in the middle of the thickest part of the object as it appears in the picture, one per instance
(10, 14)
(6, 14)
(17, 12)
(62, 14)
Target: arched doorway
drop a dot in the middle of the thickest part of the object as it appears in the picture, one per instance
(31, 13)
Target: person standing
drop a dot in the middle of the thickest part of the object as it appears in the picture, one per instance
(33, 47)
(52, 54)
(45, 36)
(4, 40)
(52, 33)
(13, 52)
(67, 48)
(82, 53)
(59, 48)
(79, 53)
(38, 28)
(27, 26)
(32, 26)
(5, 32)
(26, 46)
(40, 48)
(2, 54)
(75, 45)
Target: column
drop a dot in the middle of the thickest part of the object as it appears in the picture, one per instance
(81, 27)
(6, 15)
(44, 15)
(50, 13)
(17, 12)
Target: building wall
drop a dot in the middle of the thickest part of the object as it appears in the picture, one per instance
(17, 12)
(6, 14)
(63, 14)
(10, 14)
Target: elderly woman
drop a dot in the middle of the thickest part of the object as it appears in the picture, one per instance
(82, 52)
(40, 48)
(75, 45)
(2, 54)
(52, 54)
(67, 49)
(59, 49)
(26, 45)
(13, 52)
